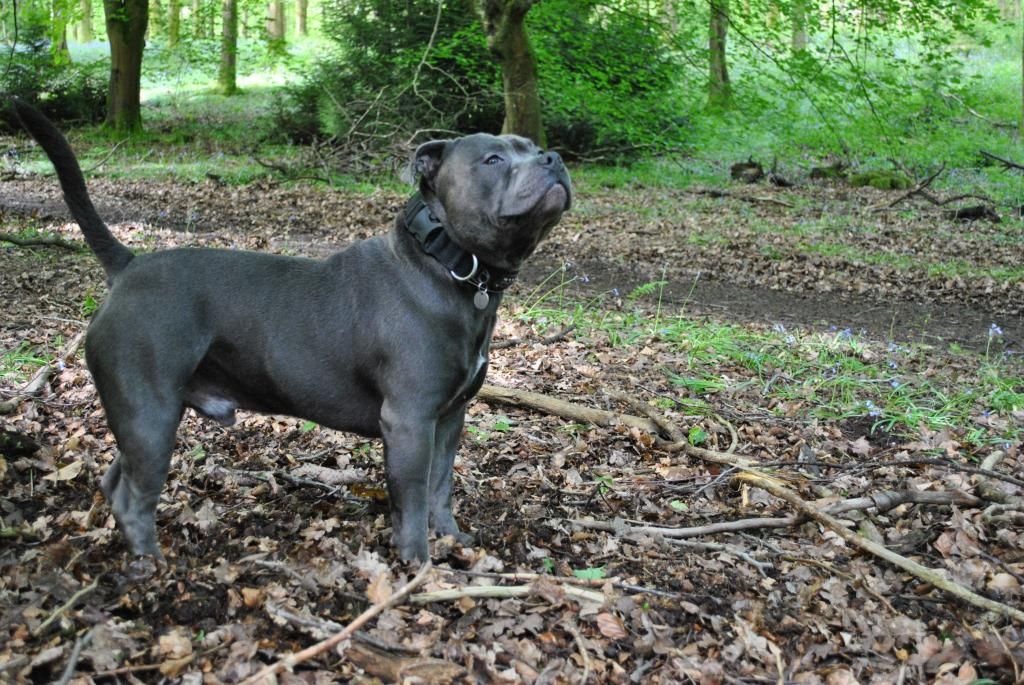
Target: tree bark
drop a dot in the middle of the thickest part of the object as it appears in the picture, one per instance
(85, 30)
(504, 24)
(719, 88)
(228, 47)
(173, 22)
(126, 30)
(301, 12)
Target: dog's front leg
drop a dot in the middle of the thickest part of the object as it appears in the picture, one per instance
(408, 451)
(448, 435)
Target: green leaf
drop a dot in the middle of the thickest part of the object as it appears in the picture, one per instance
(590, 573)
(307, 426)
(697, 436)
(679, 505)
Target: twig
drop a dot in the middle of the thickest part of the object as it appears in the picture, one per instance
(572, 630)
(269, 673)
(41, 376)
(1007, 164)
(55, 241)
(500, 592)
(586, 582)
(977, 114)
(883, 501)
(918, 188)
(551, 339)
(725, 549)
(744, 198)
(928, 575)
(67, 606)
(69, 670)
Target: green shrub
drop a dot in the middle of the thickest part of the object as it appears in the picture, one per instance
(65, 93)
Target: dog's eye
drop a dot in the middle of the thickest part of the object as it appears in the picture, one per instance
(493, 159)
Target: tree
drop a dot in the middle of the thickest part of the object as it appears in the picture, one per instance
(504, 24)
(799, 41)
(228, 47)
(173, 22)
(719, 88)
(301, 13)
(85, 31)
(126, 29)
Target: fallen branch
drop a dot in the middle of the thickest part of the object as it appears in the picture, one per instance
(47, 240)
(557, 337)
(974, 113)
(557, 407)
(288, 663)
(41, 376)
(928, 575)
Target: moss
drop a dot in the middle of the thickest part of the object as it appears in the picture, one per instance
(883, 180)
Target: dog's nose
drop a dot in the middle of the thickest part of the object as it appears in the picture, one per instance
(550, 159)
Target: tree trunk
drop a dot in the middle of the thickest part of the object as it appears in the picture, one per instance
(799, 19)
(506, 37)
(85, 31)
(275, 20)
(173, 22)
(301, 10)
(228, 47)
(126, 30)
(158, 20)
(719, 88)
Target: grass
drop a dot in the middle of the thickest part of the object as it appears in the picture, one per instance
(830, 376)
(18, 365)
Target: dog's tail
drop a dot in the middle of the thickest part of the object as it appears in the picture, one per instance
(112, 253)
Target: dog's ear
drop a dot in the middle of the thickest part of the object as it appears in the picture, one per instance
(427, 160)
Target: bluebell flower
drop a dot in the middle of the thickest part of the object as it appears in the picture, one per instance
(995, 331)
(778, 328)
(615, 292)
(872, 409)
(584, 278)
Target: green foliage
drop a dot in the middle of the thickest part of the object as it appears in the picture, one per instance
(383, 78)
(607, 77)
(64, 92)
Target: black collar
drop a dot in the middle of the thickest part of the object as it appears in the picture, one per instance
(465, 267)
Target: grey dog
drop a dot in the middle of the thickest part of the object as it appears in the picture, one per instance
(388, 337)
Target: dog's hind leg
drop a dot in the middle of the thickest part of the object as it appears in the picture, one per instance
(134, 481)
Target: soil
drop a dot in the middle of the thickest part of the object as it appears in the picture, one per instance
(276, 531)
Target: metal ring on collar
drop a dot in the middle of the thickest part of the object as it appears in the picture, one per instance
(472, 272)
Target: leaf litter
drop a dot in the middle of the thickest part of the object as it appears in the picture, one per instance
(276, 531)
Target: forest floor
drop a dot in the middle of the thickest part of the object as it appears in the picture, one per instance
(276, 530)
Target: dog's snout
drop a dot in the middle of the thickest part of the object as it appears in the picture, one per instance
(550, 159)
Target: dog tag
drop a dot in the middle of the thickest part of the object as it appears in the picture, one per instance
(481, 299)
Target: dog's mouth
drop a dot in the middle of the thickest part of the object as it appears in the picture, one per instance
(547, 209)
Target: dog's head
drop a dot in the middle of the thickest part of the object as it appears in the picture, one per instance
(498, 196)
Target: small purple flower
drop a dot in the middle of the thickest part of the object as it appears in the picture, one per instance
(872, 409)
(615, 292)
(584, 278)
(894, 383)
(892, 364)
(778, 328)
(790, 340)
(995, 331)
(846, 334)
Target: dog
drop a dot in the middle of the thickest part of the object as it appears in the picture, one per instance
(388, 338)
